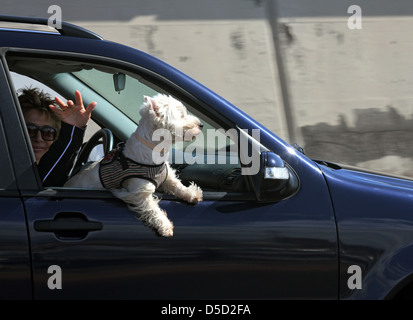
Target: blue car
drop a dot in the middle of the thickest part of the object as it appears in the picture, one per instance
(273, 224)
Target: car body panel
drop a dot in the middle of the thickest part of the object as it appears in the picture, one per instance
(220, 249)
(375, 226)
(15, 262)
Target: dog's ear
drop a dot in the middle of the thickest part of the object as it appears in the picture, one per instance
(152, 104)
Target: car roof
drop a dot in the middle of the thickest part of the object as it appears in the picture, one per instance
(66, 29)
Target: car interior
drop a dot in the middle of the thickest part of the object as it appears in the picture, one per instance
(211, 160)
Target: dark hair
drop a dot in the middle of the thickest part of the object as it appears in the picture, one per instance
(34, 98)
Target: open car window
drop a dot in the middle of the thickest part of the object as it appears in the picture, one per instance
(211, 160)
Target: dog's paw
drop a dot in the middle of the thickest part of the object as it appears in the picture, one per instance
(194, 194)
(166, 231)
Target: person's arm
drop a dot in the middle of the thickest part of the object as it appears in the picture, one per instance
(56, 164)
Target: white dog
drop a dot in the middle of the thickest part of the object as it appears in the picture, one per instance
(135, 170)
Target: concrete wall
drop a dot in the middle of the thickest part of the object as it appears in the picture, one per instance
(344, 95)
(350, 90)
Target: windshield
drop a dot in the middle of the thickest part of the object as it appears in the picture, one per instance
(126, 93)
(127, 99)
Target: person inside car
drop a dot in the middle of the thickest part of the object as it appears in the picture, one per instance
(56, 132)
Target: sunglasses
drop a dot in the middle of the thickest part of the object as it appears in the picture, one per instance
(48, 133)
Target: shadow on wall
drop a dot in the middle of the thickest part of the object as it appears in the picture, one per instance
(380, 140)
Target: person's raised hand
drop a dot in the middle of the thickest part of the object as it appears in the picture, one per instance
(74, 113)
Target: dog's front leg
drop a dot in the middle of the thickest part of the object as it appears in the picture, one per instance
(172, 185)
(154, 217)
(143, 202)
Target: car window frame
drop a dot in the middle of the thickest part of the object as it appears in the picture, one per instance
(15, 141)
(158, 80)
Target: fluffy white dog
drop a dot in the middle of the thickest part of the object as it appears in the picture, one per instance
(136, 169)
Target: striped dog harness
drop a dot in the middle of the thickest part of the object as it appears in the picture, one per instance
(115, 168)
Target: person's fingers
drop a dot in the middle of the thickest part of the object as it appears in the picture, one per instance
(60, 103)
(78, 98)
(91, 106)
(53, 108)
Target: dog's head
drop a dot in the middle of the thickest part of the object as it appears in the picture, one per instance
(169, 114)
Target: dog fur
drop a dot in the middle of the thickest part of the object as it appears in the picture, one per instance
(160, 112)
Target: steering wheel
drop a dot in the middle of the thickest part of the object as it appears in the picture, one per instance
(104, 134)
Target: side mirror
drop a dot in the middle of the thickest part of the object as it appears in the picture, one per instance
(275, 180)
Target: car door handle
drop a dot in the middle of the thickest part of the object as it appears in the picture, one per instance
(68, 225)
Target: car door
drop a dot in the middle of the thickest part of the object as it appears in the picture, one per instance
(88, 244)
(221, 249)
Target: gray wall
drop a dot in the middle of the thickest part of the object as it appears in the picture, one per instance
(350, 90)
